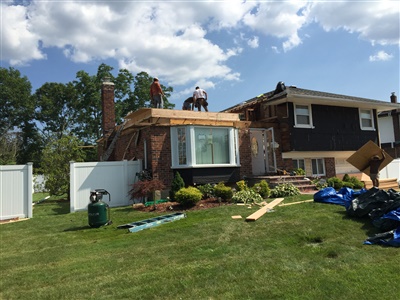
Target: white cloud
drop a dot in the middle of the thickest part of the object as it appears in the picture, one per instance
(253, 42)
(374, 21)
(380, 56)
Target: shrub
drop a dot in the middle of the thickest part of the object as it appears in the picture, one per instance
(285, 190)
(225, 192)
(144, 188)
(262, 188)
(242, 185)
(176, 185)
(356, 183)
(299, 171)
(346, 178)
(319, 183)
(348, 184)
(188, 196)
(207, 190)
(247, 196)
(335, 182)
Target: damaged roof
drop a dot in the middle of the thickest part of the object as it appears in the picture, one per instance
(299, 95)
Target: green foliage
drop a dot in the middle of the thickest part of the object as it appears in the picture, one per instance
(357, 184)
(335, 182)
(57, 156)
(207, 190)
(299, 171)
(176, 185)
(247, 196)
(188, 196)
(346, 178)
(348, 184)
(222, 191)
(285, 190)
(262, 188)
(242, 185)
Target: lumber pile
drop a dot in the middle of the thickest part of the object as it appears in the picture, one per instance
(384, 184)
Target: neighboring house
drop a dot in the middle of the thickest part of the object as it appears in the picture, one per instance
(284, 129)
(389, 129)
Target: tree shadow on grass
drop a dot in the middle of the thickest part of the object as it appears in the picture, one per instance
(77, 228)
(62, 207)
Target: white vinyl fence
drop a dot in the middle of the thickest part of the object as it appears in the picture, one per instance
(16, 189)
(392, 170)
(116, 177)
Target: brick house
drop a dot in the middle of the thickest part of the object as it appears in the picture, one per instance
(284, 129)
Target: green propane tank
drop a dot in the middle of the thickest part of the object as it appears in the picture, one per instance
(98, 211)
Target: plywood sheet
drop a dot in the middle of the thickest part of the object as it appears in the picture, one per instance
(360, 159)
(264, 209)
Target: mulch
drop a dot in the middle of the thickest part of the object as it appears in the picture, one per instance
(175, 206)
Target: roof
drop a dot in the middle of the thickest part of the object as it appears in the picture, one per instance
(299, 95)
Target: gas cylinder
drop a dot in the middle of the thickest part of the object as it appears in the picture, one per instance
(98, 210)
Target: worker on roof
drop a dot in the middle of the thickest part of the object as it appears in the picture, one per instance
(156, 94)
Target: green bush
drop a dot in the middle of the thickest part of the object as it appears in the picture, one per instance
(176, 185)
(188, 196)
(262, 188)
(207, 190)
(242, 185)
(335, 182)
(348, 184)
(247, 196)
(346, 178)
(222, 191)
(299, 171)
(285, 190)
(319, 183)
(356, 183)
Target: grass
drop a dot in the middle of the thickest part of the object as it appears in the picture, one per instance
(303, 251)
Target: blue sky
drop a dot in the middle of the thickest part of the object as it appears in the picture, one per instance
(235, 50)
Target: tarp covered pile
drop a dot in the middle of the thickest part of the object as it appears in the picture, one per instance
(382, 207)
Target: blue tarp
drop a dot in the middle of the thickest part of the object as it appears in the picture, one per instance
(383, 207)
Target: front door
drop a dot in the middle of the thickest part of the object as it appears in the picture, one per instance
(262, 151)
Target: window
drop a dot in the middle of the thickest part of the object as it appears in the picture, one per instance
(204, 146)
(299, 164)
(366, 119)
(318, 167)
(303, 116)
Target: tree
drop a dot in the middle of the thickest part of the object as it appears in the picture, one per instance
(56, 111)
(16, 103)
(9, 144)
(55, 163)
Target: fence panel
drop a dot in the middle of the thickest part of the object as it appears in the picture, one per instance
(16, 189)
(116, 177)
(392, 170)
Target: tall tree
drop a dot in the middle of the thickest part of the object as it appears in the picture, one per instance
(55, 162)
(16, 104)
(56, 111)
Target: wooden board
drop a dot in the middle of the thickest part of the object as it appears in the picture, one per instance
(264, 209)
(298, 202)
(360, 159)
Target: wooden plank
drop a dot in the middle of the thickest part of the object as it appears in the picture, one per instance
(360, 159)
(263, 210)
(236, 217)
(298, 202)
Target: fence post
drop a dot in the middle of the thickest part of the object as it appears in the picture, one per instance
(72, 192)
(30, 189)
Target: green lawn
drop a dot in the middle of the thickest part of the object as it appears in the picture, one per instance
(303, 251)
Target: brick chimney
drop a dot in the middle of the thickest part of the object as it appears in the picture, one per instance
(393, 98)
(107, 105)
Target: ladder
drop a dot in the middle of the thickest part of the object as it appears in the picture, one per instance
(110, 149)
(148, 223)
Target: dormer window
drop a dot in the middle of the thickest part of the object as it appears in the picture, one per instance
(303, 116)
(366, 119)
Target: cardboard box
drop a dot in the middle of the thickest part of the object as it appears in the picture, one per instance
(360, 159)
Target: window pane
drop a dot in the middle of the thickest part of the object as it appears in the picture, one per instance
(182, 146)
(212, 145)
(366, 122)
(302, 110)
(303, 120)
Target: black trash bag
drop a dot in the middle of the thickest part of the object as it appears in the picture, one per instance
(390, 238)
(366, 202)
(388, 221)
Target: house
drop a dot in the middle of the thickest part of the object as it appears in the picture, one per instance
(284, 129)
(389, 129)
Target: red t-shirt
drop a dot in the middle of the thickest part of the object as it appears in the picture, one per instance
(155, 88)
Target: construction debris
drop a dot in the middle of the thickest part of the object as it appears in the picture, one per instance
(263, 210)
(298, 202)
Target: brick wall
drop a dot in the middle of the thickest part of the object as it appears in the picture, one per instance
(245, 153)
(107, 104)
(330, 167)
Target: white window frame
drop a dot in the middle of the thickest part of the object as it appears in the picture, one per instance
(362, 113)
(298, 160)
(234, 159)
(319, 173)
(309, 115)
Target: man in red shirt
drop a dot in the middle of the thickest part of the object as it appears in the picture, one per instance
(156, 94)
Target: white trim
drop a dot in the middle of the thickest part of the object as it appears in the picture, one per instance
(371, 114)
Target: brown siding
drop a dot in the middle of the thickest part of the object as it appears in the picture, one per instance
(107, 102)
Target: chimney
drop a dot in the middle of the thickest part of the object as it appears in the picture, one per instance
(393, 98)
(107, 105)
